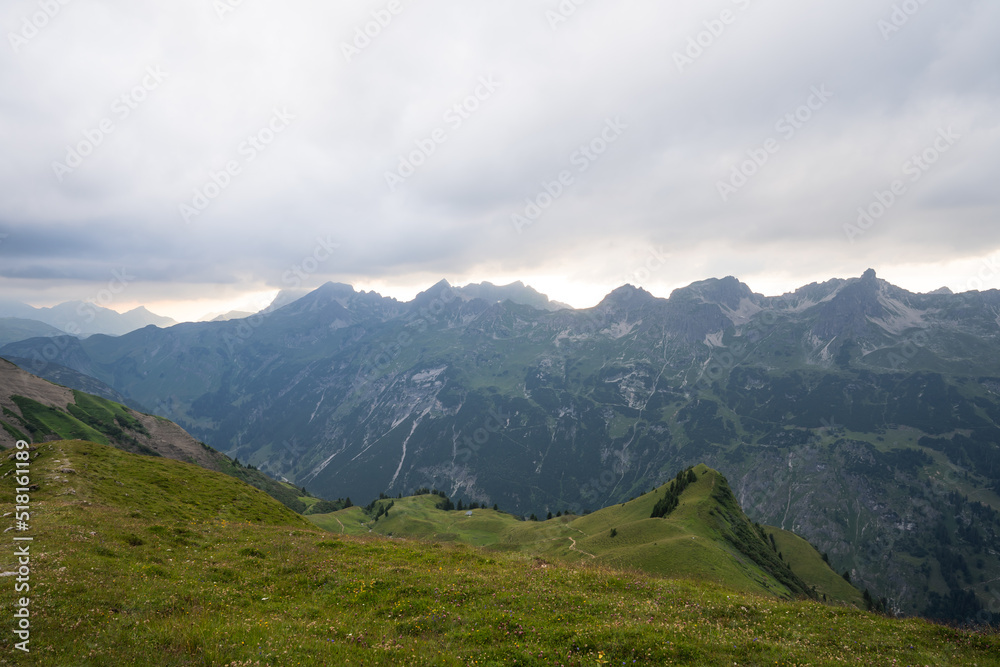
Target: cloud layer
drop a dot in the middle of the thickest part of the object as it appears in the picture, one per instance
(226, 147)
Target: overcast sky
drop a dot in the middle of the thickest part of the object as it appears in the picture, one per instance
(214, 152)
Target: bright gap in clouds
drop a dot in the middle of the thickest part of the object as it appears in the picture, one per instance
(977, 274)
(981, 273)
(194, 310)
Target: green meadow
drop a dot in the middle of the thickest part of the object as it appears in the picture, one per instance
(148, 561)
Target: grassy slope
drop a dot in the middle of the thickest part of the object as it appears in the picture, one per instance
(40, 419)
(810, 566)
(99, 420)
(707, 538)
(184, 566)
(290, 498)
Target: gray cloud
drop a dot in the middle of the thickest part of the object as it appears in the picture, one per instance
(323, 176)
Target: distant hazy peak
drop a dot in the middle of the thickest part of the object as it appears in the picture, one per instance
(285, 297)
(335, 288)
(83, 317)
(516, 292)
(231, 315)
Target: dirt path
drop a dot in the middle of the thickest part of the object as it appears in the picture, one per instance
(572, 547)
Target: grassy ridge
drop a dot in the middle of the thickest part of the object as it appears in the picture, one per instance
(184, 566)
(706, 538)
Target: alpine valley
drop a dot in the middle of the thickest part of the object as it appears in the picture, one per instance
(858, 415)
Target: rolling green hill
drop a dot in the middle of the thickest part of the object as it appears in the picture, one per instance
(707, 537)
(148, 561)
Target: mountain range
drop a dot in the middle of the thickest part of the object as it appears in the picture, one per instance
(80, 318)
(859, 415)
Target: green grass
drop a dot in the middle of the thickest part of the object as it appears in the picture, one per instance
(706, 538)
(308, 501)
(182, 566)
(105, 413)
(808, 563)
(286, 494)
(42, 420)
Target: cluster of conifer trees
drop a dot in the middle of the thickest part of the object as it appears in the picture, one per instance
(668, 503)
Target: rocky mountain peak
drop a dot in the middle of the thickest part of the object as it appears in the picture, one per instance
(324, 298)
(850, 311)
(441, 291)
(626, 295)
(728, 292)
